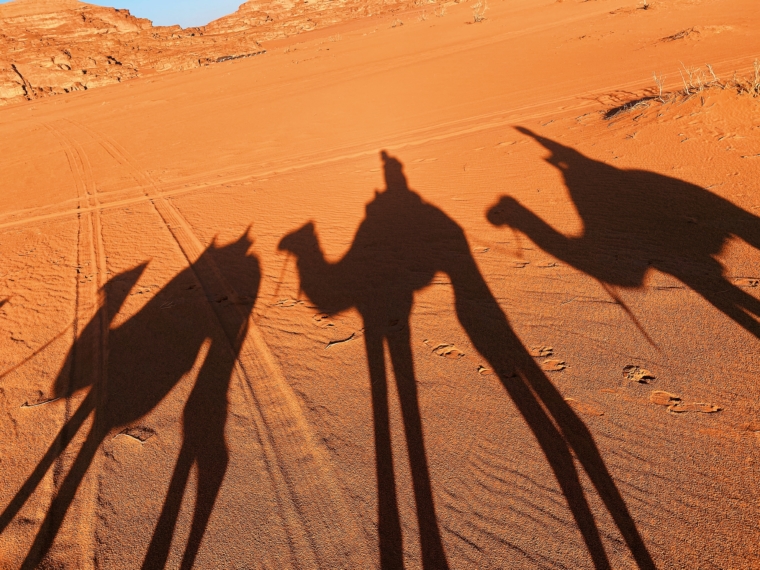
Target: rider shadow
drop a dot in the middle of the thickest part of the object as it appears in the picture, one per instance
(147, 355)
(635, 221)
(400, 246)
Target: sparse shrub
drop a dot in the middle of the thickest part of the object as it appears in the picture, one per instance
(750, 85)
(479, 11)
(694, 81)
(660, 82)
(716, 80)
(422, 17)
(440, 12)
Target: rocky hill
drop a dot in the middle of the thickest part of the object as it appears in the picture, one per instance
(50, 47)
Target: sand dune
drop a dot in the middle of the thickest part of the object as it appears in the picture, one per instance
(409, 290)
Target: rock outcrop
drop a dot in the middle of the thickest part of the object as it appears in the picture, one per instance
(50, 47)
(272, 19)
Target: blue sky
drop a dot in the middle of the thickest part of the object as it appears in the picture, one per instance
(167, 12)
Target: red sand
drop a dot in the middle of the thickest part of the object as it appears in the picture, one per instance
(525, 337)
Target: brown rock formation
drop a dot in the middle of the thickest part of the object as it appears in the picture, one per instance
(50, 47)
(273, 19)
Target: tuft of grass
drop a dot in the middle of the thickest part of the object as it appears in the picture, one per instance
(659, 81)
(695, 81)
(440, 12)
(479, 11)
(750, 85)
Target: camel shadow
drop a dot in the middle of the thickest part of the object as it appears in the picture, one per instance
(635, 221)
(402, 243)
(146, 356)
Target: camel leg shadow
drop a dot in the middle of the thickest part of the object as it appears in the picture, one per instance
(559, 431)
(389, 523)
(433, 554)
(65, 496)
(62, 440)
(203, 445)
(736, 304)
(572, 436)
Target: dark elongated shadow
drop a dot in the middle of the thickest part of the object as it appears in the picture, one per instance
(399, 247)
(146, 356)
(635, 221)
(205, 414)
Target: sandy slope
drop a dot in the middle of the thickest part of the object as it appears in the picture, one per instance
(158, 271)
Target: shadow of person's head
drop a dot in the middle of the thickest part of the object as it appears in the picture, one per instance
(393, 169)
(562, 157)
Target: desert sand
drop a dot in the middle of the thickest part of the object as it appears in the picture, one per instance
(407, 290)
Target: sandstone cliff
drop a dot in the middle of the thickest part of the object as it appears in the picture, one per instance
(50, 47)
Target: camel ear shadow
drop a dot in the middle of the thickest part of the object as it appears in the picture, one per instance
(118, 288)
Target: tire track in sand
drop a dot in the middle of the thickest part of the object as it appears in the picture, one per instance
(558, 107)
(92, 275)
(317, 517)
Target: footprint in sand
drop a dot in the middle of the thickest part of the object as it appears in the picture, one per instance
(676, 406)
(140, 433)
(541, 351)
(633, 373)
(753, 427)
(662, 398)
(323, 320)
(699, 407)
(448, 351)
(553, 365)
(287, 303)
(584, 408)
(483, 371)
(747, 281)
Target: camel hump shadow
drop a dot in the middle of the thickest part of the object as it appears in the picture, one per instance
(398, 248)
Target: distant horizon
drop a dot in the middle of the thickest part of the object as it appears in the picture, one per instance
(187, 13)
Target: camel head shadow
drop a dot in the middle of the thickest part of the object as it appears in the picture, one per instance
(301, 241)
(84, 359)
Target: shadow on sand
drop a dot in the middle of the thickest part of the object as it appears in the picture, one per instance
(635, 221)
(399, 247)
(132, 367)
